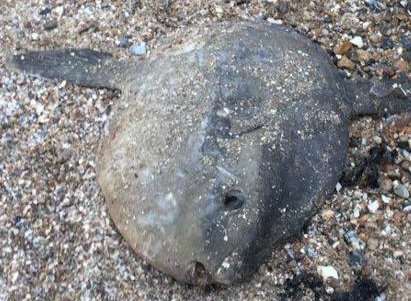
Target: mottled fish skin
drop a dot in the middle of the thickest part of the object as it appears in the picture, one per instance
(224, 145)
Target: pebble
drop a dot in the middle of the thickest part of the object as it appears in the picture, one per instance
(401, 65)
(386, 185)
(138, 49)
(352, 238)
(375, 38)
(59, 10)
(124, 42)
(219, 11)
(45, 11)
(310, 251)
(373, 206)
(327, 214)
(357, 212)
(50, 25)
(357, 41)
(346, 63)
(338, 187)
(343, 48)
(385, 199)
(35, 36)
(377, 139)
(372, 244)
(404, 143)
(381, 297)
(406, 154)
(401, 191)
(392, 171)
(356, 259)
(364, 56)
(374, 4)
(327, 272)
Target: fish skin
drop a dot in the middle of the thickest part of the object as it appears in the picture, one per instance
(223, 146)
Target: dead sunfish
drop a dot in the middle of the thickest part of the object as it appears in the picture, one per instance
(223, 145)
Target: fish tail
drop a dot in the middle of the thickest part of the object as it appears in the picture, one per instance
(380, 98)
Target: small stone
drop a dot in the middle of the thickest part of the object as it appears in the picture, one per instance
(363, 55)
(386, 185)
(401, 191)
(343, 48)
(404, 143)
(124, 42)
(401, 65)
(373, 206)
(138, 49)
(346, 63)
(375, 38)
(282, 7)
(311, 252)
(406, 55)
(87, 26)
(219, 11)
(35, 36)
(352, 238)
(377, 139)
(381, 297)
(327, 214)
(406, 155)
(372, 244)
(398, 253)
(338, 187)
(356, 259)
(387, 43)
(374, 4)
(385, 199)
(392, 171)
(45, 11)
(406, 165)
(357, 41)
(59, 10)
(357, 212)
(327, 272)
(50, 25)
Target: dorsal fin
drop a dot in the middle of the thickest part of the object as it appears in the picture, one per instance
(83, 67)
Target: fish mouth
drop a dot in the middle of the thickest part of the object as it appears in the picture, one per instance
(197, 274)
(227, 273)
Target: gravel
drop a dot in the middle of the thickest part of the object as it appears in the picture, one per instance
(138, 49)
(401, 191)
(57, 241)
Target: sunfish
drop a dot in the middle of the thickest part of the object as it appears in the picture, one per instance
(223, 144)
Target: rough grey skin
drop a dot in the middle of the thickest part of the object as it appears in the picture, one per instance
(222, 146)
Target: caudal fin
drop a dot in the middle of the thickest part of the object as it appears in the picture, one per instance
(380, 97)
(82, 67)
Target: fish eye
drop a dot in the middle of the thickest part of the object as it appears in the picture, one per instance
(233, 200)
